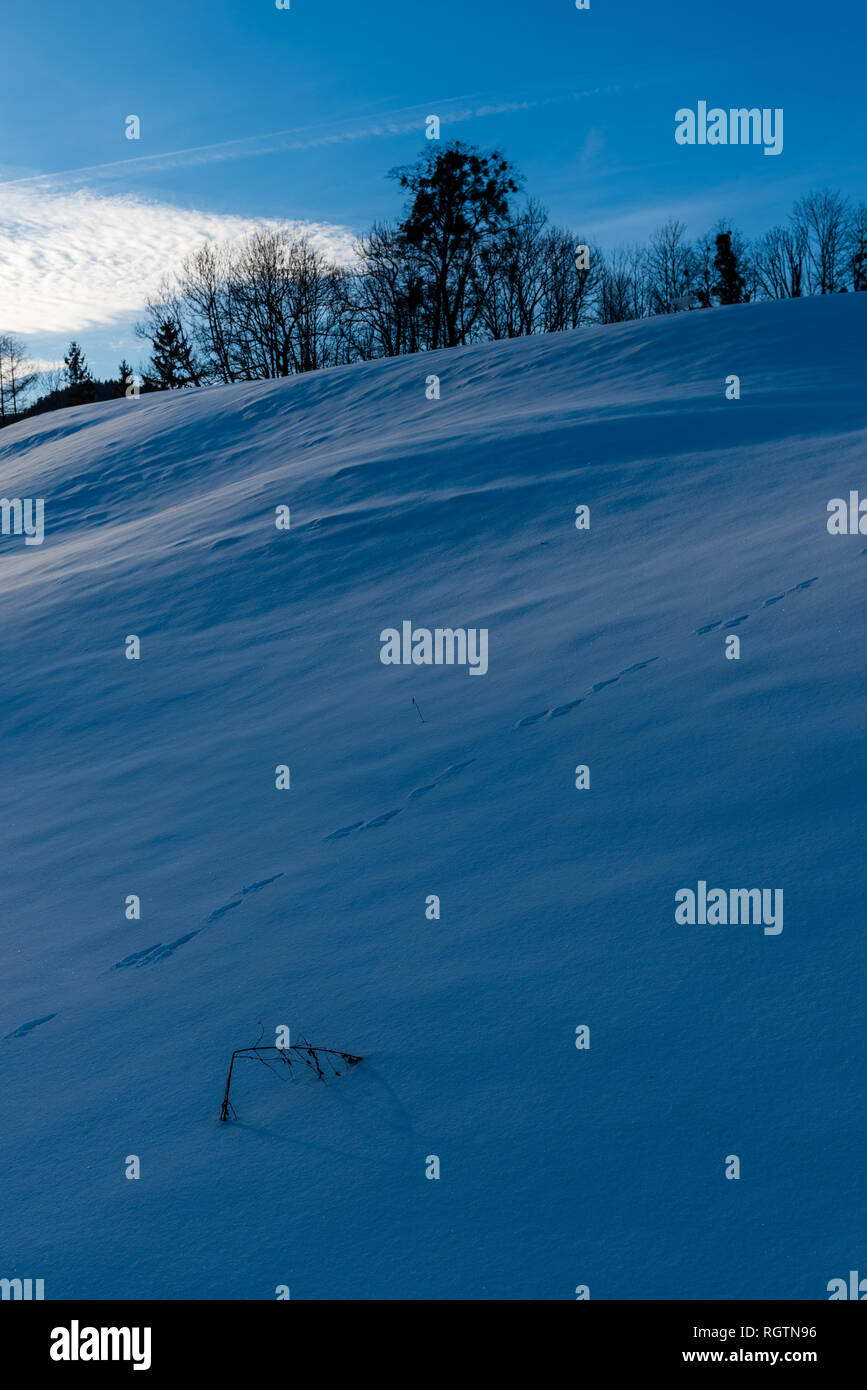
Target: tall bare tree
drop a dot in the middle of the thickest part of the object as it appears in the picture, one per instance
(670, 265)
(384, 309)
(856, 247)
(625, 289)
(822, 221)
(780, 262)
(17, 376)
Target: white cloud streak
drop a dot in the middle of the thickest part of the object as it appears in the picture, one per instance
(77, 260)
(452, 110)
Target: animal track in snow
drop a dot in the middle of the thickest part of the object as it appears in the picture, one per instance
(452, 771)
(157, 952)
(154, 953)
(559, 710)
(151, 954)
(345, 830)
(381, 820)
(260, 884)
(26, 1028)
(455, 769)
(221, 911)
(768, 603)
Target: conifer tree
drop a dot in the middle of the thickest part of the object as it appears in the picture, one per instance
(730, 284)
(79, 381)
(172, 361)
(125, 376)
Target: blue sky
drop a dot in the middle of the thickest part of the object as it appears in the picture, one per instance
(250, 112)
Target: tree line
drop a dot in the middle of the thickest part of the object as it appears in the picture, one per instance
(470, 258)
(71, 384)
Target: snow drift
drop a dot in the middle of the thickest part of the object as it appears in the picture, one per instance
(306, 907)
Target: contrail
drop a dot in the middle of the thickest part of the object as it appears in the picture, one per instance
(398, 122)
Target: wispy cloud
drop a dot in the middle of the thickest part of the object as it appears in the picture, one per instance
(403, 121)
(45, 364)
(70, 261)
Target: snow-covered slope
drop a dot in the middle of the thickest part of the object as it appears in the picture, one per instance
(306, 907)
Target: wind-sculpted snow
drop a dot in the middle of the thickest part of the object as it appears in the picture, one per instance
(306, 907)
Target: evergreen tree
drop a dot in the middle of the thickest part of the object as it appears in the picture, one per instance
(125, 377)
(172, 361)
(79, 381)
(730, 283)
